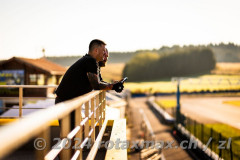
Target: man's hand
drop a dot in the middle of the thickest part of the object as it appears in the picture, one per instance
(118, 87)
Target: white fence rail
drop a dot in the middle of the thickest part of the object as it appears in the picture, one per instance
(21, 87)
(16, 134)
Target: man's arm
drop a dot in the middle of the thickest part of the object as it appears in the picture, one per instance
(100, 77)
(96, 83)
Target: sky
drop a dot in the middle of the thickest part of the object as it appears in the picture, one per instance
(64, 27)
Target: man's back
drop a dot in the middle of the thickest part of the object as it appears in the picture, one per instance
(75, 81)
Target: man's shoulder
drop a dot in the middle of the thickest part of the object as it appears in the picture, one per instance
(84, 59)
(85, 62)
(87, 58)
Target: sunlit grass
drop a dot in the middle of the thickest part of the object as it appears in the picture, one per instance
(234, 103)
(166, 103)
(227, 68)
(225, 130)
(113, 71)
(196, 84)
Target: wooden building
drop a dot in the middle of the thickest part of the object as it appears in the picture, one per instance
(25, 71)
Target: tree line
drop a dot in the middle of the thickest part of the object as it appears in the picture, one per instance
(147, 66)
(223, 52)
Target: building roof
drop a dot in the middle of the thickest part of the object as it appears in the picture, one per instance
(41, 63)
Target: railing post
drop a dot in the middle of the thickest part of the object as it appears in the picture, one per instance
(231, 153)
(178, 111)
(65, 129)
(45, 139)
(188, 124)
(86, 127)
(104, 105)
(202, 133)
(195, 130)
(92, 121)
(100, 110)
(20, 101)
(97, 110)
(78, 119)
(211, 135)
(220, 149)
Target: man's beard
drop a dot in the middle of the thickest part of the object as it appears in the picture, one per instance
(102, 63)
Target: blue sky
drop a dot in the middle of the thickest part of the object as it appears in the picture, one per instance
(66, 27)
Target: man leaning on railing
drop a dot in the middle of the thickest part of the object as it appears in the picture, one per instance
(83, 76)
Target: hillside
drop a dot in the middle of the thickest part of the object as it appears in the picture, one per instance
(64, 60)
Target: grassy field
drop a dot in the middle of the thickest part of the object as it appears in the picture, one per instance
(227, 68)
(166, 103)
(112, 71)
(210, 82)
(196, 84)
(234, 103)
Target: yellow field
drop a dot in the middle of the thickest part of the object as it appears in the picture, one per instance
(225, 129)
(112, 71)
(234, 103)
(202, 83)
(227, 68)
(166, 103)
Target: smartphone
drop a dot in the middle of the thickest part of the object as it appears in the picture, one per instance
(124, 79)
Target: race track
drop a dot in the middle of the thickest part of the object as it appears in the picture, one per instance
(211, 110)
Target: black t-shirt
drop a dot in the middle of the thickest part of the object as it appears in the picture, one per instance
(75, 81)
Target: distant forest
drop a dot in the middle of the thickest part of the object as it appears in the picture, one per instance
(223, 53)
(183, 62)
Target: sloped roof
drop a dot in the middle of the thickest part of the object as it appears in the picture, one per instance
(41, 63)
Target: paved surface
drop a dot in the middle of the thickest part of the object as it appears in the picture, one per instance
(161, 131)
(210, 109)
(213, 108)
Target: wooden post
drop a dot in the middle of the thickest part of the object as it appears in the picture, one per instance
(104, 105)
(46, 77)
(20, 101)
(97, 111)
(92, 121)
(86, 127)
(78, 119)
(202, 134)
(101, 110)
(195, 130)
(45, 144)
(58, 79)
(65, 129)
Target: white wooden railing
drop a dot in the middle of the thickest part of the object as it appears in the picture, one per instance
(16, 134)
(20, 97)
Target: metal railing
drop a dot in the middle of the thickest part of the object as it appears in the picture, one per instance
(204, 133)
(20, 97)
(37, 124)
